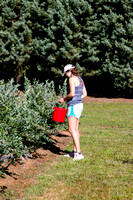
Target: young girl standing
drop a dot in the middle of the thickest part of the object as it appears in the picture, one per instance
(76, 91)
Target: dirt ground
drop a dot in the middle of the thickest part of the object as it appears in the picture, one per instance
(23, 174)
(20, 176)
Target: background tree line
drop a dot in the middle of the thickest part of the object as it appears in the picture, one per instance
(39, 37)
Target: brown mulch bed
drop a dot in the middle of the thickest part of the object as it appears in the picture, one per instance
(23, 174)
(20, 176)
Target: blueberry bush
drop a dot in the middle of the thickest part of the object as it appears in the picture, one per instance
(26, 120)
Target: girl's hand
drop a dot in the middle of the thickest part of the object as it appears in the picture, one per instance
(61, 100)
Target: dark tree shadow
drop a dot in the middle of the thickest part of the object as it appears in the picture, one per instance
(130, 161)
(53, 147)
(5, 170)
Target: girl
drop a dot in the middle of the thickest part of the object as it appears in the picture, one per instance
(76, 91)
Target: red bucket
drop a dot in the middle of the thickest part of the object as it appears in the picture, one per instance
(59, 114)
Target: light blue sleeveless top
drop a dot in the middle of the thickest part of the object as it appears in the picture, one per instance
(78, 93)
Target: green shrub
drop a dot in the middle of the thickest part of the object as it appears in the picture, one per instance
(26, 120)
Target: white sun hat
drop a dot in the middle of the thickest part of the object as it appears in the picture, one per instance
(68, 67)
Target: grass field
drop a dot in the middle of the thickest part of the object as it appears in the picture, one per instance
(106, 172)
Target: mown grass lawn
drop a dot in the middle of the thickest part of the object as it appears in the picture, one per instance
(106, 171)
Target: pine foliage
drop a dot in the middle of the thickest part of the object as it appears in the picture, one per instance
(45, 35)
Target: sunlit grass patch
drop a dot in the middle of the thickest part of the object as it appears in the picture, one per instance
(106, 171)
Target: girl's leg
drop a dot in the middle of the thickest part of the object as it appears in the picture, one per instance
(77, 131)
(73, 129)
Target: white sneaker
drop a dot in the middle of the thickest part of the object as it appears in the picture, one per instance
(71, 154)
(78, 156)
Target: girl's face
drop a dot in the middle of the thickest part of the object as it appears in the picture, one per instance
(68, 73)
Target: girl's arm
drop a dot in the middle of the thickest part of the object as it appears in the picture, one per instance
(84, 92)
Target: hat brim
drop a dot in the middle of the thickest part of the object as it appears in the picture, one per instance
(67, 70)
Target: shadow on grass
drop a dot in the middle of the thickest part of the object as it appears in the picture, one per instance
(128, 161)
(54, 146)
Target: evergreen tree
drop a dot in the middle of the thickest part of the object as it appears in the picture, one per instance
(38, 36)
(16, 37)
